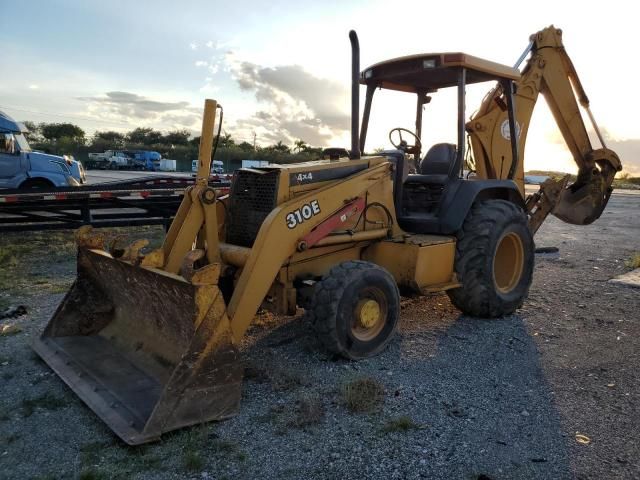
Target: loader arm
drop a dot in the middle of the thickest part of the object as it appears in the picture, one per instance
(550, 72)
(276, 241)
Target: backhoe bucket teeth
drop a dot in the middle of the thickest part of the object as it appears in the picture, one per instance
(147, 350)
(583, 202)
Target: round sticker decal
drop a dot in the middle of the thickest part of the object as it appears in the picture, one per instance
(504, 130)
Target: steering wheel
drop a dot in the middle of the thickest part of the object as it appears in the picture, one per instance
(403, 145)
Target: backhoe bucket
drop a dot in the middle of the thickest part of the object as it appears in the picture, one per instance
(582, 204)
(584, 201)
(147, 350)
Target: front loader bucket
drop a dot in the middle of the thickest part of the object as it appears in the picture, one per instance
(148, 351)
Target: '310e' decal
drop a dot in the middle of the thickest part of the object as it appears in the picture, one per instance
(303, 213)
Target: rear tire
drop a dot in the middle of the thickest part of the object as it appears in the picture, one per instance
(355, 309)
(494, 260)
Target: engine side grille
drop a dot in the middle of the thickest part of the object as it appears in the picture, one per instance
(421, 198)
(253, 197)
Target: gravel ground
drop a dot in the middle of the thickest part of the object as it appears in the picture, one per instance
(463, 398)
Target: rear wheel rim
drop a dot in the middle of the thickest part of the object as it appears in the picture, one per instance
(370, 314)
(508, 262)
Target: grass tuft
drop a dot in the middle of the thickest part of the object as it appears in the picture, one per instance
(192, 441)
(224, 446)
(4, 414)
(47, 401)
(9, 329)
(90, 452)
(309, 411)
(192, 460)
(400, 424)
(634, 261)
(363, 395)
(92, 474)
(283, 379)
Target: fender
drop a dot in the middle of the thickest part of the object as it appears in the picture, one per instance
(461, 194)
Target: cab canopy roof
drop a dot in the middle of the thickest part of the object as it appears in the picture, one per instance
(428, 72)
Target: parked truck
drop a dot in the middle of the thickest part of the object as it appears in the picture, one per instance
(125, 160)
(110, 160)
(21, 167)
(145, 159)
(217, 167)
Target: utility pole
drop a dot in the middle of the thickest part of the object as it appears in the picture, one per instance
(254, 141)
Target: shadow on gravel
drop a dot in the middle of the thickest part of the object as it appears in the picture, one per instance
(463, 399)
(495, 413)
(474, 388)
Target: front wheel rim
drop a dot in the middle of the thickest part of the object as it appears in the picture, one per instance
(370, 314)
(508, 262)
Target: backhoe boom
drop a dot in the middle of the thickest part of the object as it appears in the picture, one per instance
(549, 71)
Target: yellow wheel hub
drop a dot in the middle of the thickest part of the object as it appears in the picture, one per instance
(369, 313)
(508, 262)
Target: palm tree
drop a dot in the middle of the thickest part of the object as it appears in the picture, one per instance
(281, 147)
(300, 146)
(226, 140)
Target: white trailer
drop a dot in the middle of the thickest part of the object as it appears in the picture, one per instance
(254, 163)
(167, 165)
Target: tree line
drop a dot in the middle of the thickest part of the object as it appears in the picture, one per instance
(70, 139)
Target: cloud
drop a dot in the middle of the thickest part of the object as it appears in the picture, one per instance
(209, 88)
(34, 87)
(297, 104)
(217, 45)
(212, 66)
(137, 109)
(629, 152)
(133, 105)
(628, 149)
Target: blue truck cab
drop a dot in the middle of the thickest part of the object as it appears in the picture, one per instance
(145, 159)
(21, 167)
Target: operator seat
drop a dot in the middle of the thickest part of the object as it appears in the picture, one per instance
(440, 163)
(420, 206)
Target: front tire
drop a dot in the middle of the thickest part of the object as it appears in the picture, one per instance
(494, 260)
(355, 309)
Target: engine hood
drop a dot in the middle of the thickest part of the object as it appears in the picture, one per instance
(47, 162)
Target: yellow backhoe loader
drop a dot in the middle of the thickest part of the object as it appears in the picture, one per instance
(149, 340)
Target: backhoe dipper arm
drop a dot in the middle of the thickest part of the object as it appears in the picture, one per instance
(549, 71)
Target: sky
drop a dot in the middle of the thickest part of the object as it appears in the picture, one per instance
(281, 69)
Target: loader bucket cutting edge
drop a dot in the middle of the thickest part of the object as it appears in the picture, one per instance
(136, 347)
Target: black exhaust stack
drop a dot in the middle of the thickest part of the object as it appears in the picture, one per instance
(355, 95)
